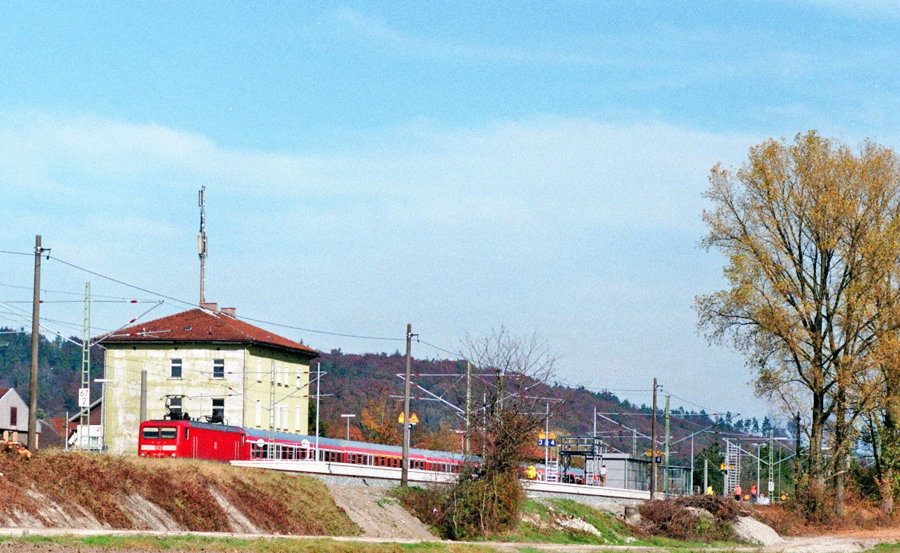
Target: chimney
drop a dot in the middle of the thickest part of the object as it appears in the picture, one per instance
(214, 307)
(230, 311)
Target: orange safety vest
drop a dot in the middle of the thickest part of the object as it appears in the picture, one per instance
(738, 490)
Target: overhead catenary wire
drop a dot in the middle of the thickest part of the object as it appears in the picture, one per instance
(63, 292)
(240, 317)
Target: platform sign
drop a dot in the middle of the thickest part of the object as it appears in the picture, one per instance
(771, 487)
(543, 441)
(84, 397)
(304, 443)
(413, 419)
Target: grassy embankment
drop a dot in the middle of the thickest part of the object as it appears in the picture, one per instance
(556, 521)
(105, 486)
(236, 545)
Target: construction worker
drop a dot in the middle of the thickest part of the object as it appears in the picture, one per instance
(709, 490)
(753, 492)
(738, 492)
(531, 472)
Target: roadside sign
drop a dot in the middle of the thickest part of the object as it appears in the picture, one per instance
(771, 487)
(84, 397)
(413, 419)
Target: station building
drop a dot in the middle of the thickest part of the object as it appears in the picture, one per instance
(204, 364)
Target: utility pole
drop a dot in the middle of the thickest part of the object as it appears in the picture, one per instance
(653, 446)
(143, 408)
(666, 471)
(595, 422)
(404, 470)
(758, 466)
(201, 247)
(547, 442)
(705, 474)
(318, 382)
(84, 398)
(692, 466)
(771, 487)
(35, 340)
(468, 406)
(271, 448)
(797, 446)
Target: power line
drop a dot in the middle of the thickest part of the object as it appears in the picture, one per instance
(17, 253)
(123, 283)
(329, 333)
(79, 294)
(303, 329)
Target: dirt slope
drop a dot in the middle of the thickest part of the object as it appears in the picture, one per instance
(378, 513)
(77, 490)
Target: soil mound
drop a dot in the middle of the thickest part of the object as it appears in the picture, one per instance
(56, 489)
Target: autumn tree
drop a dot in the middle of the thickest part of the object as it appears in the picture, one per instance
(488, 497)
(811, 235)
(378, 421)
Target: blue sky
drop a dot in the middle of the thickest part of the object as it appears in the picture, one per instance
(459, 167)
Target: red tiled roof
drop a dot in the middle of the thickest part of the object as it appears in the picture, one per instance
(3, 391)
(200, 325)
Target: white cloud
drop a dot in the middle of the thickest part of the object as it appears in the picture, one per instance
(544, 224)
(378, 30)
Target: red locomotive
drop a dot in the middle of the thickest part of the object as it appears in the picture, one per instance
(198, 440)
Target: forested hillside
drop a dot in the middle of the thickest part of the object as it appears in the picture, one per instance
(363, 385)
(59, 370)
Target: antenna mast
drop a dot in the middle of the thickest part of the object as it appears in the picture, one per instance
(201, 247)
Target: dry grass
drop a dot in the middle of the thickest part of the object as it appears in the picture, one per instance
(130, 544)
(859, 514)
(274, 502)
(672, 518)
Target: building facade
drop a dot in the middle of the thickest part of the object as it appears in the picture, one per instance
(203, 364)
(14, 417)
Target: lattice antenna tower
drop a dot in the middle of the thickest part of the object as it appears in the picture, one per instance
(201, 246)
(84, 397)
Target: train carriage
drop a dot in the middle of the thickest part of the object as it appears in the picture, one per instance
(197, 440)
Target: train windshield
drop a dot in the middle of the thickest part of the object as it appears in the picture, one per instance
(150, 433)
(157, 433)
(168, 433)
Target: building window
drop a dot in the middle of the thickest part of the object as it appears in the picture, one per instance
(258, 414)
(13, 416)
(218, 409)
(298, 427)
(299, 376)
(277, 423)
(259, 370)
(271, 372)
(218, 368)
(175, 371)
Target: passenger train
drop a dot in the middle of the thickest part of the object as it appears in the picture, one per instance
(199, 440)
